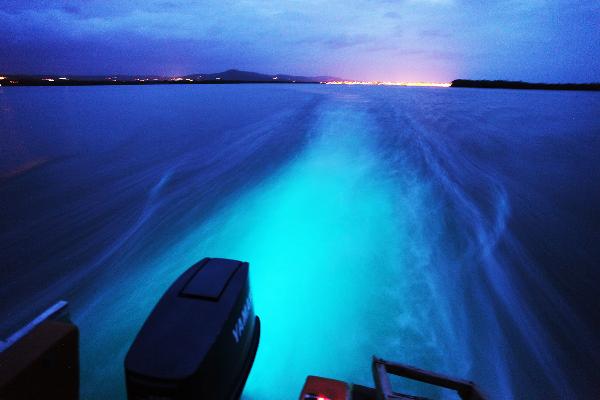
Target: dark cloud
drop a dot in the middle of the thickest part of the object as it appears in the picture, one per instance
(363, 39)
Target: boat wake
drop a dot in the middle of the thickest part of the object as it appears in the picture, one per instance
(408, 225)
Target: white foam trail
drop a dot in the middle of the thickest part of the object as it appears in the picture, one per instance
(501, 275)
(341, 267)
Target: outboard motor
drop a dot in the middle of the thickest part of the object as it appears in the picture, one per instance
(200, 340)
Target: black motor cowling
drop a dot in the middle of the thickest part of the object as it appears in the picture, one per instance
(200, 340)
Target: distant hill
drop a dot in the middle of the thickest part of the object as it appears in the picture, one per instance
(229, 76)
(247, 76)
(467, 83)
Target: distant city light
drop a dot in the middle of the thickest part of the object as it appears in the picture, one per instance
(2, 78)
(389, 83)
(189, 80)
(48, 79)
(275, 77)
(64, 79)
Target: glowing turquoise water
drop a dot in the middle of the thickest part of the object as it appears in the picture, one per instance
(334, 272)
(454, 230)
(339, 250)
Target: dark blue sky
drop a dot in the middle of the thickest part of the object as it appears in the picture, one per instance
(432, 40)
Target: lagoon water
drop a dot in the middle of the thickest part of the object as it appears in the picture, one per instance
(457, 230)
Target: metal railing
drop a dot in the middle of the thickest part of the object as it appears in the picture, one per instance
(381, 368)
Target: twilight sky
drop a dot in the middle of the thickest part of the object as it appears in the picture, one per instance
(431, 40)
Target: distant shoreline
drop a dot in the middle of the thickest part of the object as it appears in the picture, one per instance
(45, 80)
(231, 76)
(36, 82)
(500, 84)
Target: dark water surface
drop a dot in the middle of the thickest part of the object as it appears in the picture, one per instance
(454, 229)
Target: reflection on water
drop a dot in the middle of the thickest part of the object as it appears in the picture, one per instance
(412, 224)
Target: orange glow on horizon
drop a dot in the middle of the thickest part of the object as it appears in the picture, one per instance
(390, 83)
